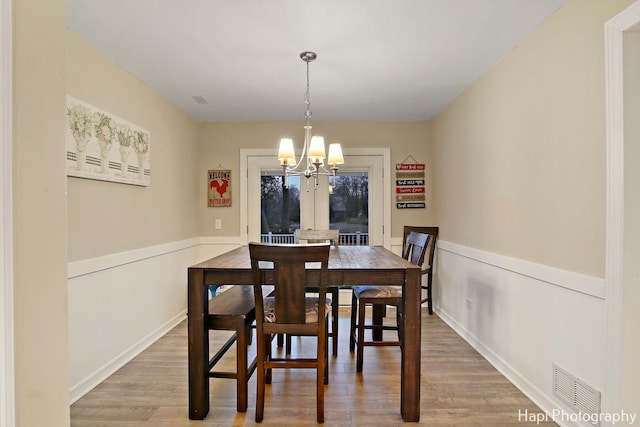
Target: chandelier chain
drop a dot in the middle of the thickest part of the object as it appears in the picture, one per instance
(307, 97)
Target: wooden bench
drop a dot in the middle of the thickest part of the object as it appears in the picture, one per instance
(234, 310)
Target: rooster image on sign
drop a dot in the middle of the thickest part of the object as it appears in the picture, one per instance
(220, 185)
(219, 188)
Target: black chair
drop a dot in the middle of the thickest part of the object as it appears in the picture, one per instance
(414, 251)
(288, 310)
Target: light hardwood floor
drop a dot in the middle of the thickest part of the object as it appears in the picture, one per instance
(459, 388)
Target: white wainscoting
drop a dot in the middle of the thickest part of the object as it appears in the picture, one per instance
(524, 317)
(122, 303)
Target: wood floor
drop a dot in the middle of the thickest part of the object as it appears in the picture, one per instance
(459, 388)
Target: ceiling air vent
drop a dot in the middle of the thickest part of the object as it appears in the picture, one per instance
(199, 99)
(576, 393)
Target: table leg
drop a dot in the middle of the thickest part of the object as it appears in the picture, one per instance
(198, 346)
(410, 382)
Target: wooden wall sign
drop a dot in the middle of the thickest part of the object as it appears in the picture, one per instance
(410, 190)
(219, 188)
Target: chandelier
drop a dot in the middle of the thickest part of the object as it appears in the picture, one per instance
(312, 165)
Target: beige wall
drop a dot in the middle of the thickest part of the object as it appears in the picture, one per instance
(519, 158)
(40, 234)
(221, 144)
(105, 217)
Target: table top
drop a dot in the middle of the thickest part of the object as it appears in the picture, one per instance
(340, 258)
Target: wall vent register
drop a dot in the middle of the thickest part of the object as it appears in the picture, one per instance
(575, 393)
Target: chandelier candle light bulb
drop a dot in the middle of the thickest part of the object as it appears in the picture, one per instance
(316, 150)
(335, 155)
(313, 147)
(286, 155)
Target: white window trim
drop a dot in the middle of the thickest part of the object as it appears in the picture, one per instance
(245, 153)
(7, 387)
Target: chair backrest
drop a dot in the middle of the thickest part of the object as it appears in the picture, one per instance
(284, 268)
(431, 231)
(415, 248)
(317, 236)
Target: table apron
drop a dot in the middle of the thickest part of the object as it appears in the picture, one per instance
(336, 278)
(228, 277)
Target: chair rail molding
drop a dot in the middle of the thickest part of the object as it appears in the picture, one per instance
(7, 391)
(105, 262)
(614, 88)
(577, 282)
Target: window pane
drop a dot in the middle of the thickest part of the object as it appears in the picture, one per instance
(280, 206)
(349, 208)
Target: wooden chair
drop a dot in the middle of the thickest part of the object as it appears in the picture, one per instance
(414, 250)
(288, 310)
(427, 268)
(323, 236)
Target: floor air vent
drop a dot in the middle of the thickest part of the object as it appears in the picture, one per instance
(575, 393)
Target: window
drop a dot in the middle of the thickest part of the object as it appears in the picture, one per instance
(357, 206)
(349, 208)
(279, 207)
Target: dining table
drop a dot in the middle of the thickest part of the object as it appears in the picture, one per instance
(348, 266)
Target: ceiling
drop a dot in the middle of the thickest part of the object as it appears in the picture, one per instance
(377, 59)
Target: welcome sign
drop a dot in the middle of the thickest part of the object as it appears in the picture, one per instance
(219, 188)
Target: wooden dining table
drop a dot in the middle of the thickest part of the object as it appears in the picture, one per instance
(348, 266)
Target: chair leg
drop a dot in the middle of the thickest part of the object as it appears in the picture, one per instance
(250, 328)
(267, 352)
(352, 333)
(326, 357)
(321, 375)
(378, 312)
(360, 345)
(260, 382)
(400, 324)
(428, 299)
(335, 293)
(287, 339)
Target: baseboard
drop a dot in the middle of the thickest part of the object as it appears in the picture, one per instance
(525, 386)
(86, 385)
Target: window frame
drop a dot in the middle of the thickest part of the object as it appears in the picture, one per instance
(247, 160)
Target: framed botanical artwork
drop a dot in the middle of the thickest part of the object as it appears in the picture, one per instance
(105, 147)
